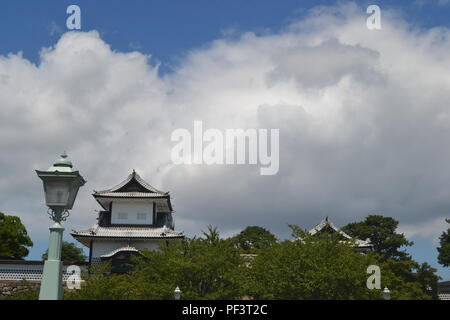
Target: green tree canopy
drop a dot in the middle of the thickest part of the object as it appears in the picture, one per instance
(444, 249)
(306, 268)
(211, 235)
(381, 232)
(310, 268)
(204, 268)
(253, 238)
(13, 238)
(408, 279)
(70, 253)
(428, 280)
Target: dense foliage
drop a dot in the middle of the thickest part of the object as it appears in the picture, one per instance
(14, 239)
(406, 278)
(381, 232)
(70, 253)
(206, 268)
(306, 267)
(444, 249)
(253, 238)
(310, 268)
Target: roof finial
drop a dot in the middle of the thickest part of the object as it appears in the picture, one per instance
(63, 161)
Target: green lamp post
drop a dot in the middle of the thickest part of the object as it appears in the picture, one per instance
(61, 186)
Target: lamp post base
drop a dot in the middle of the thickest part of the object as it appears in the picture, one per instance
(51, 284)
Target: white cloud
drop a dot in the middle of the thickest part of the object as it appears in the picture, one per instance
(363, 117)
(431, 229)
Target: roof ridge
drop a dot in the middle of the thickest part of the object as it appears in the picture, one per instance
(131, 176)
(328, 222)
(147, 185)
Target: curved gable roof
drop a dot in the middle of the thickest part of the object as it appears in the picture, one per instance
(325, 223)
(133, 183)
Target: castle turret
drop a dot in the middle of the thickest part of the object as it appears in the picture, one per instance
(135, 216)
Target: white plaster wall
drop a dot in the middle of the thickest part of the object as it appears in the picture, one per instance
(132, 209)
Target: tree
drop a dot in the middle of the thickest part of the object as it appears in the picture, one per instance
(310, 268)
(408, 279)
(426, 276)
(13, 238)
(380, 231)
(204, 268)
(212, 235)
(105, 287)
(444, 249)
(69, 253)
(253, 238)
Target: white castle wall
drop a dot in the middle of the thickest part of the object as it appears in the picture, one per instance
(131, 213)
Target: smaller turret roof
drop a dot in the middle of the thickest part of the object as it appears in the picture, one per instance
(327, 223)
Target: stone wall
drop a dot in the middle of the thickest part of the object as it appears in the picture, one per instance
(8, 288)
(11, 287)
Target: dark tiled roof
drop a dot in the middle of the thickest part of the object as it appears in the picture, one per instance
(444, 286)
(327, 223)
(97, 231)
(130, 195)
(34, 262)
(133, 177)
(133, 187)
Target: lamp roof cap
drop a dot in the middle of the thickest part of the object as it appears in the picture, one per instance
(63, 164)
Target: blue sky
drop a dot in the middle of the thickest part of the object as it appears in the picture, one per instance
(169, 30)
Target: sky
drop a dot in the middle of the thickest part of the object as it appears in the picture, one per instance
(363, 114)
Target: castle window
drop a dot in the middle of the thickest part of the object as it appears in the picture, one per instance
(122, 215)
(142, 216)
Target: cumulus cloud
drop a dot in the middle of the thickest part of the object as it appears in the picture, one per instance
(363, 117)
(430, 230)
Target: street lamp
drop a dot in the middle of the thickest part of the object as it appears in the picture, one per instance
(61, 186)
(386, 294)
(177, 293)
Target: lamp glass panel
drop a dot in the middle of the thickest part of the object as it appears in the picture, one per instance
(57, 193)
(74, 186)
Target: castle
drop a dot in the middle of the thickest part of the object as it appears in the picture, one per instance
(134, 216)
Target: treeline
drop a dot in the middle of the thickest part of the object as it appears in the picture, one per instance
(255, 265)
